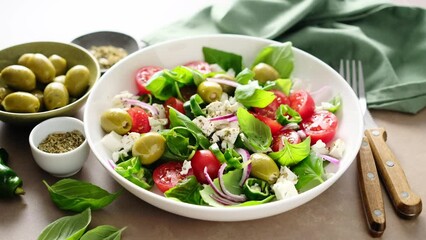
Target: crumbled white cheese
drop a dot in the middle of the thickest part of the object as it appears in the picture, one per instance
(337, 149)
(206, 126)
(320, 147)
(185, 167)
(157, 124)
(112, 141)
(216, 68)
(228, 136)
(127, 142)
(285, 187)
(117, 101)
(161, 110)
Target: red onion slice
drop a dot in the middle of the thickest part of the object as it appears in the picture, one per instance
(234, 197)
(222, 200)
(329, 158)
(215, 189)
(222, 117)
(247, 168)
(144, 105)
(224, 81)
(111, 163)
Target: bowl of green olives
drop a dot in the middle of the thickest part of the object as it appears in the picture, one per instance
(41, 80)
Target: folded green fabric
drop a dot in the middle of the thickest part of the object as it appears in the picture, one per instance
(390, 40)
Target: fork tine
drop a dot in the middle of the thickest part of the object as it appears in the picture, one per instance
(354, 79)
(361, 90)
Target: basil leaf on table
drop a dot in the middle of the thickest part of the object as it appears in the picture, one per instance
(75, 195)
(103, 232)
(69, 227)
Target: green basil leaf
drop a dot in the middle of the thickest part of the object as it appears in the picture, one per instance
(244, 76)
(252, 95)
(333, 105)
(187, 190)
(103, 232)
(133, 171)
(292, 154)
(69, 227)
(279, 56)
(75, 195)
(226, 60)
(310, 172)
(178, 119)
(257, 135)
(162, 85)
(282, 85)
(181, 143)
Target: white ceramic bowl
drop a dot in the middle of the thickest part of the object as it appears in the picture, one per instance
(311, 70)
(59, 164)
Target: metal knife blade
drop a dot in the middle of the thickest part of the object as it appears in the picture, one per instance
(407, 203)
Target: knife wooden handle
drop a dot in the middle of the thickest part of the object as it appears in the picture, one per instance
(407, 203)
(371, 193)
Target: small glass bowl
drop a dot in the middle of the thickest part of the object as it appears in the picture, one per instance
(59, 164)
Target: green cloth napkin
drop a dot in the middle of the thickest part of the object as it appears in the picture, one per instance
(390, 40)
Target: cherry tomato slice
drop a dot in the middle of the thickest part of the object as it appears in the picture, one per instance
(272, 124)
(202, 159)
(168, 174)
(278, 141)
(140, 121)
(302, 102)
(270, 110)
(321, 125)
(201, 66)
(174, 103)
(142, 76)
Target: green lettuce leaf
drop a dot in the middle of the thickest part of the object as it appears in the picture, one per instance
(310, 172)
(226, 60)
(187, 190)
(257, 135)
(279, 56)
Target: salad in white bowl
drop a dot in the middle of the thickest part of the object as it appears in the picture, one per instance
(220, 131)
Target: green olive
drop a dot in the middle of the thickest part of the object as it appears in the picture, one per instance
(21, 102)
(149, 147)
(60, 78)
(209, 91)
(55, 96)
(117, 120)
(226, 88)
(39, 95)
(59, 63)
(264, 72)
(264, 167)
(4, 91)
(40, 65)
(77, 80)
(19, 77)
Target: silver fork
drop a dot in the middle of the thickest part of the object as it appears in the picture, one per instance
(407, 203)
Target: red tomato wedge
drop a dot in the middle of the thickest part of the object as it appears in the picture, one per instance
(142, 76)
(270, 110)
(302, 102)
(201, 66)
(320, 125)
(167, 175)
(272, 124)
(174, 103)
(202, 159)
(140, 121)
(290, 135)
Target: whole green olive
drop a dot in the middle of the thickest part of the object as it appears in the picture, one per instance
(209, 91)
(264, 72)
(55, 96)
(264, 167)
(77, 80)
(226, 88)
(149, 147)
(4, 91)
(21, 102)
(117, 120)
(60, 78)
(59, 63)
(19, 77)
(39, 95)
(40, 65)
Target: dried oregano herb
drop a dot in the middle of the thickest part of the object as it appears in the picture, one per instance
(61, 142)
